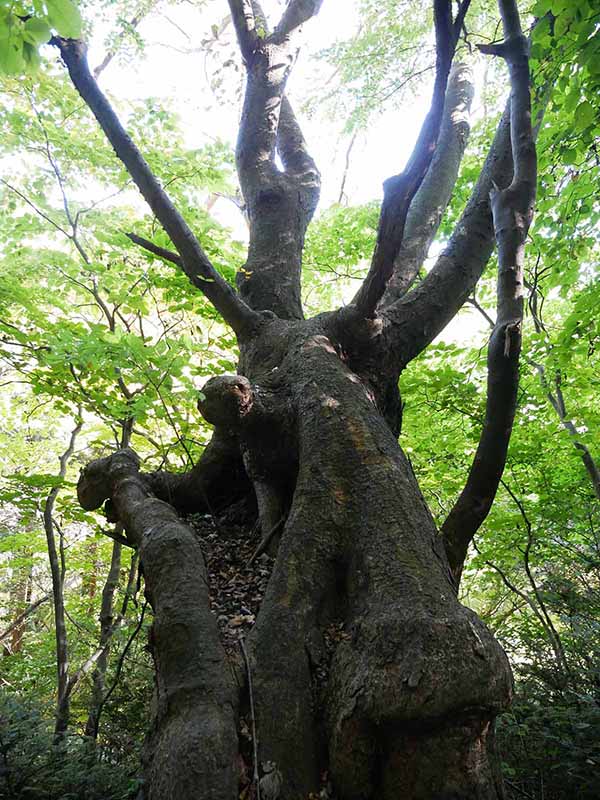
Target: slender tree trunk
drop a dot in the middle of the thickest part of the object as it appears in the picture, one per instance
(106, 633)
(107, 622)
(19, 602)
(56, 571)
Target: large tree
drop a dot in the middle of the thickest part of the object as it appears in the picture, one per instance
(362, 668)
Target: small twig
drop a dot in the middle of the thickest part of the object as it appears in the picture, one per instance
(518, 789)
(117, 538)
(160, 252)
(255, 777)
(265, 541)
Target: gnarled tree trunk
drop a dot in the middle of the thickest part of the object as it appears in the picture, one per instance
(363, 669)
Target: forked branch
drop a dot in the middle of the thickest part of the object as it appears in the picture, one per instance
(400, 190)
(279, 203)
(194, 260)
(512, 210)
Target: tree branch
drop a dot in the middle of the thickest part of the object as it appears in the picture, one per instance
(244, 22)
(117, 41)
(24, 614)
(557, 401)
(399, 190)
(297, 13)
(432, 198)
(191, 668)
(280, 204)
(416, 319)
(194, 260)
(160, 252)
(512, 211)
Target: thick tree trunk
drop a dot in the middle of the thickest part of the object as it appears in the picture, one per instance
(364, 664)
(414, 673)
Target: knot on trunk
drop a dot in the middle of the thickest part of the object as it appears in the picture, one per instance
(97, 480)
(226, 400)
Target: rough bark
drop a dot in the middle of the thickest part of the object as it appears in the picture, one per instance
(191, 749)
(279, 203)
(359, 547)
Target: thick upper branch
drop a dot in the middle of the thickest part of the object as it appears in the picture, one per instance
(280, 204)
(400, 190)
(419, 316)
(512, 210)
(244, 22)
(194, 261)
(297, 13)
(428, 206)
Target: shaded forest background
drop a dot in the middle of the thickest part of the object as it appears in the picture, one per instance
(102, 343)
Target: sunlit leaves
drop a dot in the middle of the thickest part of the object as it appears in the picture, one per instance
(25, 26)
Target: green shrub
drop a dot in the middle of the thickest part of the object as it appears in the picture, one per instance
(33, 767)
(551, 747)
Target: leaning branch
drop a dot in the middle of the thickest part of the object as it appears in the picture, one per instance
(555, 397)
(432, 198)
(24, 614)
(296, 14)
(191, 669)
(156, 250)
(244, 22)
(399, 190)
(194, 260)
(512, 211)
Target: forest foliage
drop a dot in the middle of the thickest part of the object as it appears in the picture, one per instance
(100, 338)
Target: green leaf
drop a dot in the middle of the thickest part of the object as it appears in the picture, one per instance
(584, 115)
(65, 18)
(36, 31)
(570, 156)
(11, 58)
